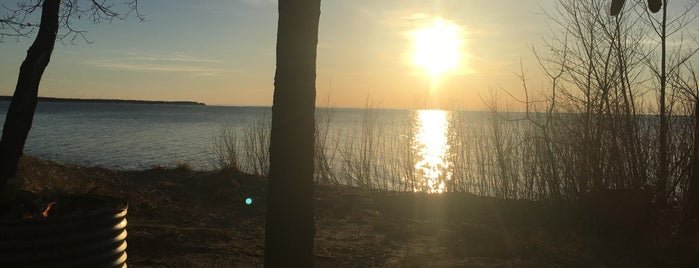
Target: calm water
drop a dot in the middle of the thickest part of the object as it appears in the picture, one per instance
(130, 136)
(134, 136)
(384, 143)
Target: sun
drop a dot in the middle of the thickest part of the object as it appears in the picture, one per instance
(437, 47)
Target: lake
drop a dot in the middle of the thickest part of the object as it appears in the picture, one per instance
(361, 146)
(130, 136)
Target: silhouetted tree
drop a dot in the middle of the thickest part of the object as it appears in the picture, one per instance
(290, 224)
(671, 76)
(690, 215)
(16, 23)
(591, 60)
(664, 28)
(688, 82)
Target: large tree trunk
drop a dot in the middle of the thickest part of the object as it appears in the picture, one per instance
(20, 114)
(290, 225)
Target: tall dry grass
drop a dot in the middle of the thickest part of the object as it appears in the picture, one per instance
(244, 148)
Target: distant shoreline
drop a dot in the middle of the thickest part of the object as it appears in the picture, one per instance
(51, 99)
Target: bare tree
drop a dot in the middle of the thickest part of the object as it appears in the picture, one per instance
(290, 224)
(689, 84)
(669, 29)
(593, 63)
(57, 18)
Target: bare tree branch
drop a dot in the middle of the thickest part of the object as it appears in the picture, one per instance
(21, 20)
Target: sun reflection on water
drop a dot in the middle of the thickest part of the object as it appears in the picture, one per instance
(431, 145)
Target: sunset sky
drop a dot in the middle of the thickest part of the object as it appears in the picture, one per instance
(221, 52)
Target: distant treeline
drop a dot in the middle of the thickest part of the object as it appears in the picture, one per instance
(50, 99)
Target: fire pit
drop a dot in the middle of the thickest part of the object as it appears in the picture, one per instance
(72, 231)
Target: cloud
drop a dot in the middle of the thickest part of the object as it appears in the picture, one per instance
(260, 2)
(168, 63)
(172, 57)
(149, 67)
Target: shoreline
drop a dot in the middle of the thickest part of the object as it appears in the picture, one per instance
(78, 100)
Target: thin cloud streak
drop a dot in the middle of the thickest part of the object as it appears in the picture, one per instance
(178, 63)
(171, 59)
(153, 67)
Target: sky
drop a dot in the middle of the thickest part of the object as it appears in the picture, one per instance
(222, 52)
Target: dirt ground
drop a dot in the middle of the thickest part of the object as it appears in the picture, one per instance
(183, 218)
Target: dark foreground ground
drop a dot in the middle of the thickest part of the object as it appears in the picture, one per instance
(183, 218)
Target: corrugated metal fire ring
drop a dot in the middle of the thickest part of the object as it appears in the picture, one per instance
(95, 237)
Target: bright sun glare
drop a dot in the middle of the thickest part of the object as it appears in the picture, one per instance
(437, 47)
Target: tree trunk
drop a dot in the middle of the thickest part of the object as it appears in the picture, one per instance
(20, 114)
(290, 224)
(663, 161)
